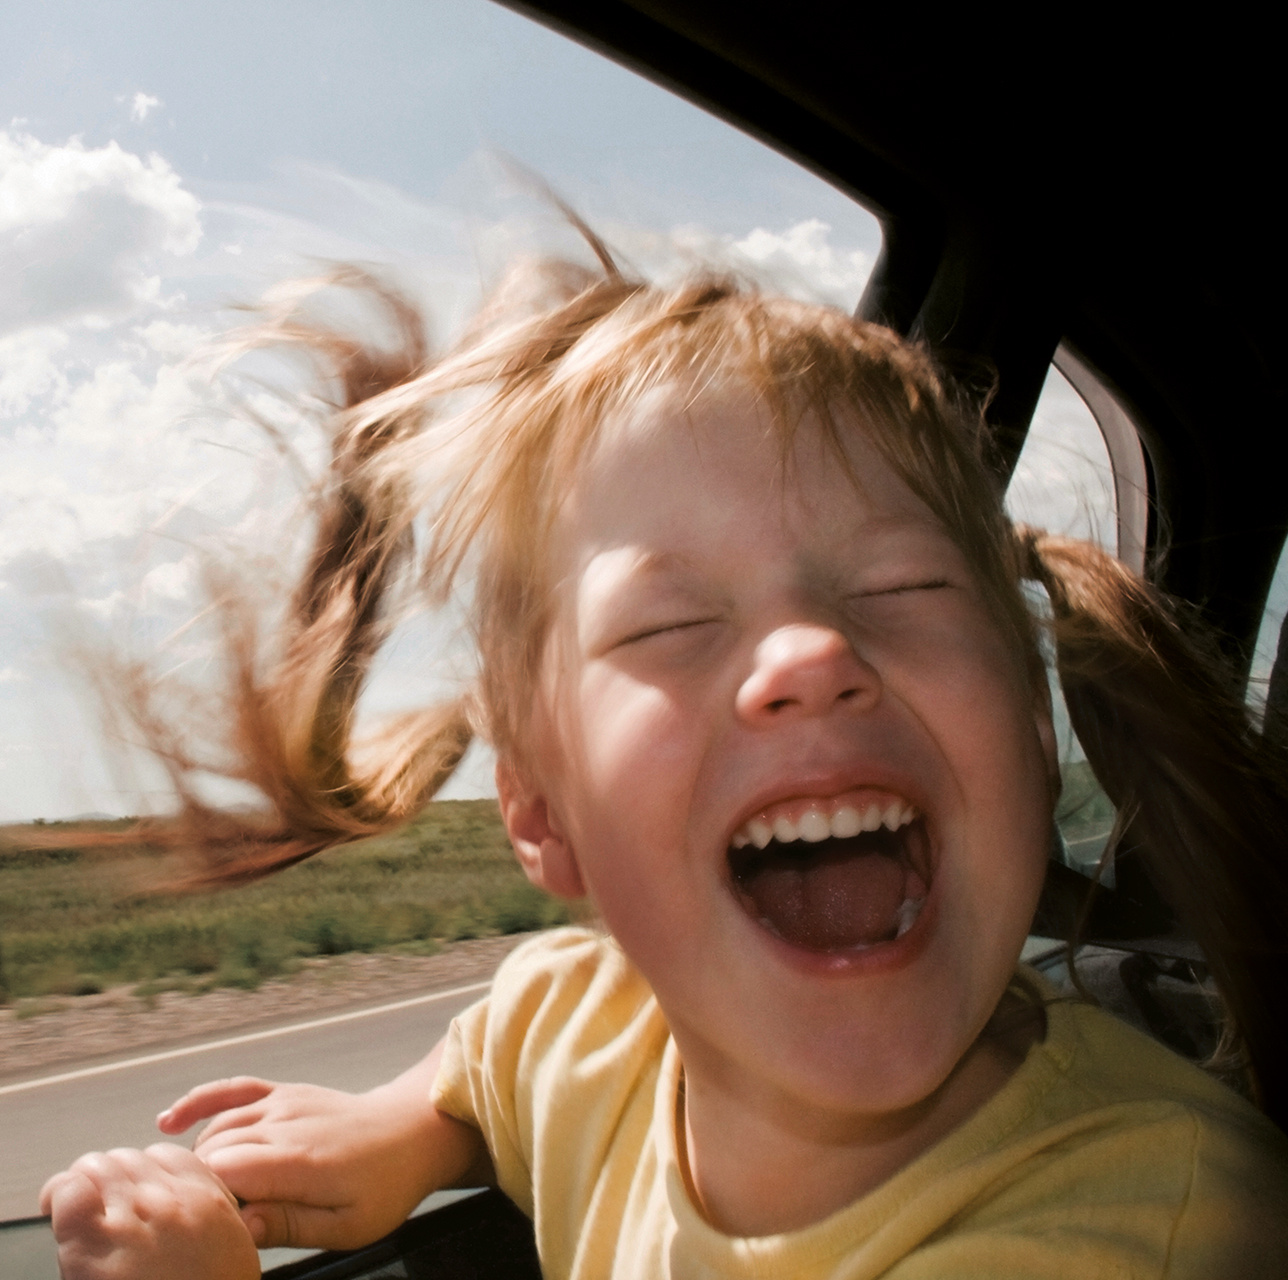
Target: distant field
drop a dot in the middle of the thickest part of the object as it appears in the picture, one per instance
(74, 922)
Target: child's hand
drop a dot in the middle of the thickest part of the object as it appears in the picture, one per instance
(146, 1215)
(315, 1167)
(318, 1168)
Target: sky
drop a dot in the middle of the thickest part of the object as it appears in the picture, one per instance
(160, 162)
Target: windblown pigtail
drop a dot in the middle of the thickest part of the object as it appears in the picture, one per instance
(1171, 742)
(290, 698)
(289, 705)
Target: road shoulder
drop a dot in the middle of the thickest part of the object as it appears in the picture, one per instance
(85, 1030)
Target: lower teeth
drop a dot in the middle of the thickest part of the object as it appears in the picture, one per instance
(906, 916)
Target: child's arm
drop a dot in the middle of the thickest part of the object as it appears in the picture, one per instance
(323, 1169)
(146, 1215)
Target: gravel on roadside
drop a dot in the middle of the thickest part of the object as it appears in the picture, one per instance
(84, 1030)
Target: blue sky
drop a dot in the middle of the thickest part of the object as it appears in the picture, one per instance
(159, 161)
(399, 91)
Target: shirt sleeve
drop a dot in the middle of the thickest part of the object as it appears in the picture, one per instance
(508, 1060)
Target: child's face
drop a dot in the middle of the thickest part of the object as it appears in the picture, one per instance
(740, 648)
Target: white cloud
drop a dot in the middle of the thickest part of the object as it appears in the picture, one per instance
(142, 104)
(802, 260)
(28, 367)
(806, 248)
(168, 338)
(120, 406)
(112, 445)
(81, 229)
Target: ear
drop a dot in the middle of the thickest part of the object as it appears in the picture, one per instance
(544, 854)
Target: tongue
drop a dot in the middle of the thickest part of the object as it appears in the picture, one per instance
(830, 899)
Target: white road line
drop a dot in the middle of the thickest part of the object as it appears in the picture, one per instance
(246, 1039)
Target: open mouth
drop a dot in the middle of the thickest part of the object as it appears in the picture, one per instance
(833, 875)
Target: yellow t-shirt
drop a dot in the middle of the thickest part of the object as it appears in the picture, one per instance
(1105, 1155)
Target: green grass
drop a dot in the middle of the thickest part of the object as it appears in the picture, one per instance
(73, 922)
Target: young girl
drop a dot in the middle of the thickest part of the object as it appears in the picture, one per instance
(763, 685)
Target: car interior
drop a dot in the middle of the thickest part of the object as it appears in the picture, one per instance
(1078, 192)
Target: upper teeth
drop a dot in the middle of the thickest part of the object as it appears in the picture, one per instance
(817, 824)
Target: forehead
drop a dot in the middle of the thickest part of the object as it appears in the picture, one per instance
(720, 467)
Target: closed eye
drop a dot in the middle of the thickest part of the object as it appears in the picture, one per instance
(668, 628)
(906, 588)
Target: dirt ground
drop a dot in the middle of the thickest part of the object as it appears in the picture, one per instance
(82, 1030)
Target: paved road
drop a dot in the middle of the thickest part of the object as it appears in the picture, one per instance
(43, 1129)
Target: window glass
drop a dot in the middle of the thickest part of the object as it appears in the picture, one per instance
(1263, 660)
(1064, 480)
(159, 161)
(1064, 483)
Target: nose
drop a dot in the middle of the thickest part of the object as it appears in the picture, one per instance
(805, 670)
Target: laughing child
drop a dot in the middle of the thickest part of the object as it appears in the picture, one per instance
(764, 687)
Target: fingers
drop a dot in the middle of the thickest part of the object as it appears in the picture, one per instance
(288, 1225)
(292, 1118)
(187, 1168)
(91, 1184)
(80, 1198)
(210, 1099)
(245, 1126)
(148, 1215)
(76, 1194)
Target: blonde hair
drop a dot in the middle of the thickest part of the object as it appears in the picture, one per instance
(503, 466)
(471, 455)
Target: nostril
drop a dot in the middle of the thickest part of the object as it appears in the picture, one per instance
(806, 669)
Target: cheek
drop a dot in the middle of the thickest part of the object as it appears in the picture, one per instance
(621, 783)
(988, 702)
(1015, 831)
(978, 702)
(631, 756)
(625, 730)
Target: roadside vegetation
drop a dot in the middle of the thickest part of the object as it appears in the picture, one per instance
(74, 922)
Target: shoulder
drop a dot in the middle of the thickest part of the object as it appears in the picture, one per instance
(1096, 1059)
(557, 957)
(562, 1051)
(1123, 1135)
(1102, 1061)
(559, 970)
(566, 992)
